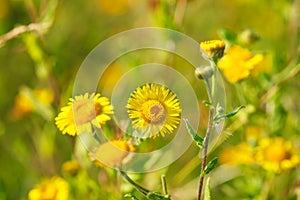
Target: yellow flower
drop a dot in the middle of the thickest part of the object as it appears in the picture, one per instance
(113, 153)
(44, 96)
(238, 63)
(55, 188)
(25, 101)
(154, 110)
(82, 113)
(237, 155)
(276, 154)
(71, 167)
(213, 49)
(253, 132)
(113, 7)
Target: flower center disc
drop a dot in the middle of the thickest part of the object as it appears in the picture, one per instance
(153, 112)
(276, 154)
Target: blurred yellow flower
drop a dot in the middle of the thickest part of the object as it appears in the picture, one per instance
(276, 154)
(25, 103)
(238, 63)
(253, 132)
(113, 7)
(113, 153)
(82, 113)
(71, 167)
(213, 49)
(55, 188)
(237, 155)
(154, 110)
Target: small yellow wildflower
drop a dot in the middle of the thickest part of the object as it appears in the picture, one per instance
(82, 112)
(276, 154)
(113, 153)
(24, 103)
(238, 63)
(113, 7)
(71, 167)
(237, 155)
(253, 132)
(55, 188)
(154, 110)
(213, 49)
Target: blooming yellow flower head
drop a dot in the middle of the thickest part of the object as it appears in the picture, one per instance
(154, 110)
(213, 49)
(276, 154)
(237, 155)
(238, 63)
(82, 113)
(55, 188)
(113, 153)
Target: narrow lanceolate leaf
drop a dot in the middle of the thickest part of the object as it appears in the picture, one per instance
(224, 116)
(210, 166)
(193, 133)
(207, 189)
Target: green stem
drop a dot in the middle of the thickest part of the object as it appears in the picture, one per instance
(205, 149)
(164, 184)
(142, 190)
(211, 96)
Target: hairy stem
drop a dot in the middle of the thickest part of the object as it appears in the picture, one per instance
(211, 87)
(205, 149)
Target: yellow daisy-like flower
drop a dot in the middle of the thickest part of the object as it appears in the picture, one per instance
(113, 153)
(276, 154)
(82, 113)
(55, 188)
(213, 49)
(237, 155)
(238, 63)
(154, 110)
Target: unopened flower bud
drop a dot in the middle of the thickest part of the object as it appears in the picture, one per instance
(204, 72)
(213, 49)
(248, 37)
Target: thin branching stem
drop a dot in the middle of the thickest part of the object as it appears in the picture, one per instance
(142, 190)
(23, 29)
(211, 96)
(205, 149)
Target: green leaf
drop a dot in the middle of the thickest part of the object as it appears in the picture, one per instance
(218, 118)
(156, 196)
(207, 103)
(228, 35)
(210, 166)
(131, 196)
(207, 190)
(193, 133)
